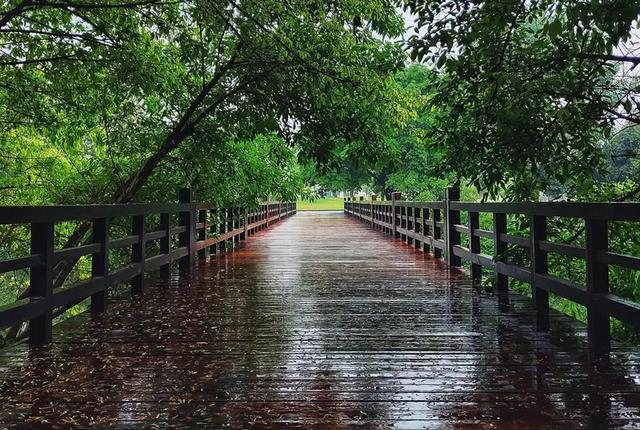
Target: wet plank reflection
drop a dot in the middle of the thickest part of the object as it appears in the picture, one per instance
(321, 323)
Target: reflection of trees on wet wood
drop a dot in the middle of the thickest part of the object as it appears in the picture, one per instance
(318, 322)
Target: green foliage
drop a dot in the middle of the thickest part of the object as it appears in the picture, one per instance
(119, 101)
(527, 87)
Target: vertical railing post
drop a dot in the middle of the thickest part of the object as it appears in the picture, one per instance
(187, 238)
(539, 266)
(41, 281)
(202, 233)
(499, 250)
(138, 253)
(394, 208)
(403, 221)
(474, 244)
(437, 232)
(231, 226)
(245, 222)
(236, 225)
(425, 230)
(213, 229)
(452, 238)
(222, 245)
(100, 262)
(416, 225)
(374, 215)
(598, 327)
(165, 244)
(268, 213)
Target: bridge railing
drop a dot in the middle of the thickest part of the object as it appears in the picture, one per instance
(436, 227)
(198, 228)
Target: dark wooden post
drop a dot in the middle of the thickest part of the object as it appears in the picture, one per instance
(41, 281)
(187, 238)
(474, 244)
(230, 226)
(245, 222)
(202, 233)
(416, 225)
(452, 238)
(100, 262)
(213, 230)
(236, 225)
(425, 230)
(437, 232)
(539, 266)
(499, 249)
(222, 246)
(165, 244)
(374, 210)
(394, 228)
(598, 327)
(403, 221)
(138, 253)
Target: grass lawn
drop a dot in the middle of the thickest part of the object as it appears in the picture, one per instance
(328, 204)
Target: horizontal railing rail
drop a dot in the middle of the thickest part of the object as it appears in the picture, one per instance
(436, 227)
(201, 228)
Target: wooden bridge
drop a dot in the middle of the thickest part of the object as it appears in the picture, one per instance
(316, 320)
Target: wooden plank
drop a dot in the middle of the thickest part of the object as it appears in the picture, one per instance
(100, 262)
(138, 253)
(155, 262)
(179, 230)
(123, 242)
(539, 266)
(165, 244)
(514, 271)
(38, 214)
(461, 228)
(427, 323)
(20, 311)
(187, 237)
(563, 249)
(71, 254)
(249, 341)
(41, 281)
(524, 242)
(499, 250)
(563, 288)
(179, 253)
(612, 258)
(474, 245)
(598, 211)
(485, 234)
(124, 274)
(21, 263)
(598, 324)
(154, 235)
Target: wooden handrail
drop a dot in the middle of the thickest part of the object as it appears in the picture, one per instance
(201, 227)
(418, 223)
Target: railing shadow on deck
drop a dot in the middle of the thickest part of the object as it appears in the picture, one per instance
(436, 227)
(186, 231)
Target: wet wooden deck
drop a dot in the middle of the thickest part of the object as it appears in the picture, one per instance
(319, 322)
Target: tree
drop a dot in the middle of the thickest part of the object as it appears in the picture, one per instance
(134, 97)
(528, 89)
